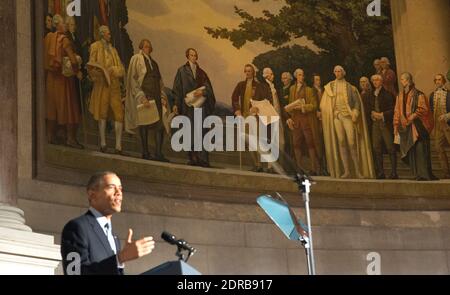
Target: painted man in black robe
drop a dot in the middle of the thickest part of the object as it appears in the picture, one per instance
(191, 77)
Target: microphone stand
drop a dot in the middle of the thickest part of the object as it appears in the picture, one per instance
(180, 247)
(179, 253)
(189, 255)
(304, 183)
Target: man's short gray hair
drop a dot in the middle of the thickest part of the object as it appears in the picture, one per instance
(408, 76)
(298, 71)
(289, 75)
(56, 20)
(102, 30)
(376, 61)
(376, 77)
(267, 72)
(385, 60)
(340, 68)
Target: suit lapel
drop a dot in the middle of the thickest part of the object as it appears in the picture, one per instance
(99, 233)
(291, 94)
(381, 98)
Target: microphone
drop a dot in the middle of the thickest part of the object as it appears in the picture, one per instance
(169, 238)
(172, 240)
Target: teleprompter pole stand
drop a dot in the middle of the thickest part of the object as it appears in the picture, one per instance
(304, 184)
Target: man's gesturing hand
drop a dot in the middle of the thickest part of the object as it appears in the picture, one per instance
(136, 249)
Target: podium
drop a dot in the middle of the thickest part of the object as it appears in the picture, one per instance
(173, 268)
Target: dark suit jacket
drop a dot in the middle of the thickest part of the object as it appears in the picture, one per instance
(185, 83)
(152, 83)
(239, 93)
(84, 236)
(75, 42)
(387, 105)
(367, 97)
(266, 91)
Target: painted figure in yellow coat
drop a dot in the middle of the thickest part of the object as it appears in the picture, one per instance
(345, 130)
(104, 61)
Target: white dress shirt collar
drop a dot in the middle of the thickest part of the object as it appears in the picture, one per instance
(377, 91)
(193, 66)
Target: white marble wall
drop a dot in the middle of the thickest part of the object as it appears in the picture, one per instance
(421, 35)
(25, 89)
(260, 248)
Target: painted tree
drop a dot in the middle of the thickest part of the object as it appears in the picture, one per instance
(341, 29)
(289, 58)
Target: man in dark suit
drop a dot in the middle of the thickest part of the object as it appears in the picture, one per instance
(72, 34)
(247, 90)
(48, 24)
(190, 77)
(382, 104)
(90, 237)
(152, 85)
(317, 86)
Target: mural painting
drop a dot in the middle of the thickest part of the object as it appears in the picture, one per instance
(119, 74)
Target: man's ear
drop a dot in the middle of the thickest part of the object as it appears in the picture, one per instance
(91, 196)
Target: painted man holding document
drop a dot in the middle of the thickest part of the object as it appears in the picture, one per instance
(106, 71)
(242, 97)
(191, 78)
(270, 94)
(143, 105)
(302, 121)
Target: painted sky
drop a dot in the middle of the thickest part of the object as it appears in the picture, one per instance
(174, 25)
